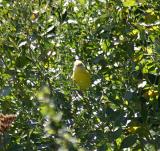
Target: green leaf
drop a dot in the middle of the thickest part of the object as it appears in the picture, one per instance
(128, 3)
(22, 61)
(82, 2)
(128, 141)
(114, 135)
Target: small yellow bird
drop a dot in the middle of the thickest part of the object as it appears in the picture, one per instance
(80, 75)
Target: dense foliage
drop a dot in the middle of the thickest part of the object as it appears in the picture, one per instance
(119, 43)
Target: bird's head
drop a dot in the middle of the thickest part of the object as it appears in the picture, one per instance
(78, 64)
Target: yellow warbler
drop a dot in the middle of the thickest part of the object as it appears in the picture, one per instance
(80, 75)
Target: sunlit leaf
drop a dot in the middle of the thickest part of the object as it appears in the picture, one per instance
(128, 3)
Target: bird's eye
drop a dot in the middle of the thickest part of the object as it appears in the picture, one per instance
(80, 65)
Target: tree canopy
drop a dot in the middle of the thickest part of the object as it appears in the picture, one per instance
(119, 43)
